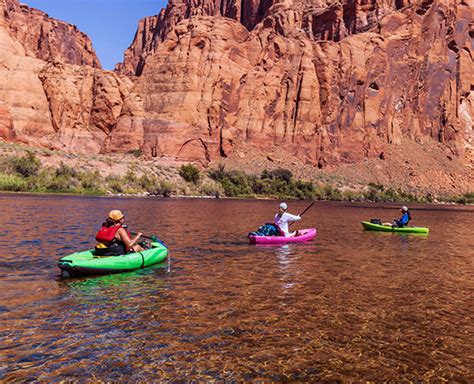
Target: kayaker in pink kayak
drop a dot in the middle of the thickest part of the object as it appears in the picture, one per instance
(283, 218)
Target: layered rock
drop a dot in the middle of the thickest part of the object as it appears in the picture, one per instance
(154, 29)
(329, 83)
(6, 123)
(54, 103)
(47, 38)
(318, 19)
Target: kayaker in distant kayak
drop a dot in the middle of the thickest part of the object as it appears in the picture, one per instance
(115, 240)
(282, 218)
(403, 220)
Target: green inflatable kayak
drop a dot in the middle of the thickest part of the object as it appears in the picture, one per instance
(388, 228)
(86, 263)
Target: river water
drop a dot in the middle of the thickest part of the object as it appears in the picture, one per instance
(350, 306)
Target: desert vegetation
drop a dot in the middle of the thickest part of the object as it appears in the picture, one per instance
(190, 173)
(25, 172)
(280, 183)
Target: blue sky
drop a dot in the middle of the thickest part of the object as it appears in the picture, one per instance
(111, 24)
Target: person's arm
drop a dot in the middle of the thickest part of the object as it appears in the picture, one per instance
(291, 217)
(129, 243)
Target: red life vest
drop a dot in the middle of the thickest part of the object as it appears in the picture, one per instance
(106, 235)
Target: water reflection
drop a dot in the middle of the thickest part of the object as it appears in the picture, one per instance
(284, 256)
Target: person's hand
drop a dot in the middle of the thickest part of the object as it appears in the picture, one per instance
(139, 234)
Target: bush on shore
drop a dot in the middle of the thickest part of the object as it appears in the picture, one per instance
(25, 166)
(190, 173)
(12, 183)
(25, 174)
(467, 198)
(278, 183)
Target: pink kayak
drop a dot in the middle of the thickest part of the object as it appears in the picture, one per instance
(305, 235)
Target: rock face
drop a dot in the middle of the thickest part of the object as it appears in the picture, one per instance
(52, 92)
(46, 38)
(154, 29)
(328, 82)
(319, 20)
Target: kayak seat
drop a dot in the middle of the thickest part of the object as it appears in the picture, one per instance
(114, 249)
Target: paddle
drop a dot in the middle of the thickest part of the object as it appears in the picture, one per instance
(302, 213)
(154, 238)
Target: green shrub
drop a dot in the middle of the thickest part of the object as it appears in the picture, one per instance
(209, 190)
(65, 170)
(389, 194)
(217, 174)
(318, 192)
(277, 183)
(148, 183)
(135, 152)
(164, 188)
(12, 183)
(280, 174)
(234, 183)
(62, 184)
(332, 193)
(372, 192)
(27, 165)
(467, 198)
(352, 196)
(115, 184)
(376, 187)
(190, 173)
(91, 181)
(130, 177)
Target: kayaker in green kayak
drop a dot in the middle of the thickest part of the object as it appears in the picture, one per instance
(402, 221)
(114, 239)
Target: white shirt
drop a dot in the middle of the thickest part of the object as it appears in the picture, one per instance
(283, 221)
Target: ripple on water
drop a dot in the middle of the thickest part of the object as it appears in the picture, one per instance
(349, 306)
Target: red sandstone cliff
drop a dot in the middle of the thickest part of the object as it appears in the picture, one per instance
(329, 83)
(46, 38)
(325, 82)
(318, 20)
(52, 92)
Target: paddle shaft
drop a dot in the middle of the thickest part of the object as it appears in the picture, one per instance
(302, 213)
(144, 236)
(308, 207)
(125, 226)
